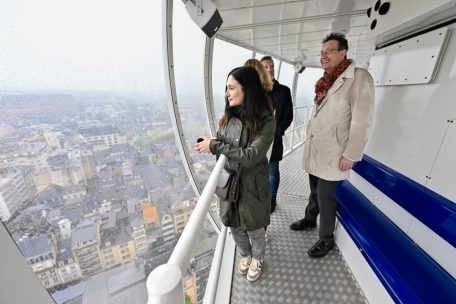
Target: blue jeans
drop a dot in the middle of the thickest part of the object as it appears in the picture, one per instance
(274, 178)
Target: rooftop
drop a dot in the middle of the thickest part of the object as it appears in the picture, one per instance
(36, 246)
(84, 234)
(99, 130)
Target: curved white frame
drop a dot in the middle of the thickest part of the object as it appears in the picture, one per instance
(170, 83)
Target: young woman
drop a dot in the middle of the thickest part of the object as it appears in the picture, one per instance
(245, 133)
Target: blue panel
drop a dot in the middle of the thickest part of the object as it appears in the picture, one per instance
(430, 208)
(406, 271)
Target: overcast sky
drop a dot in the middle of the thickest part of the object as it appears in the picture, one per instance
(105, 45)
(83, 44)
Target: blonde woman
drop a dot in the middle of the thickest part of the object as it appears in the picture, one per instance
(267, 84)
(265, 79)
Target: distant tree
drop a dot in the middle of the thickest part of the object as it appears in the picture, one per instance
(188, 300)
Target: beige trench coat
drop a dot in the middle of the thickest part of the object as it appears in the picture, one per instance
(340, 125)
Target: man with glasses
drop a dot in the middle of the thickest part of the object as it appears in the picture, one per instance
(283, 109)
(336, 135)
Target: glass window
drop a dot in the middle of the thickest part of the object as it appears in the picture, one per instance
(286, 78)
(189, 75)
(286, 74)
(87, 148)
(305, 90)
(226, 56)
(258, 55)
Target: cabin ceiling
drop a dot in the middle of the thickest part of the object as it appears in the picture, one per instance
(293, 30)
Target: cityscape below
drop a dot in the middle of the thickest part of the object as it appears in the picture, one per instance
(94, 193)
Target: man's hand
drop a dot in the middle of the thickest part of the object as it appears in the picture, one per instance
(345, 164)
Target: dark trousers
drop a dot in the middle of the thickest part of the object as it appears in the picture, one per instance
(323, 202)
(274, 179)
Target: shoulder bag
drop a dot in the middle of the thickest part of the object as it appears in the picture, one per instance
(227, 188)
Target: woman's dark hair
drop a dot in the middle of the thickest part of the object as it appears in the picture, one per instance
(255, 101)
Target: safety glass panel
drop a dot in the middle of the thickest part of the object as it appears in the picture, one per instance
(225, 58)
(286, 74)
(91, 187)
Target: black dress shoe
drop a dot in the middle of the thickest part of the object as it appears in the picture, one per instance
(273, 205)
(303, 224)
(321, 248)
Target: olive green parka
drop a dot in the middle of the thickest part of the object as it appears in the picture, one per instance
(252, 210)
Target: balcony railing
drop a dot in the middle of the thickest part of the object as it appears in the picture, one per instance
(164, 284)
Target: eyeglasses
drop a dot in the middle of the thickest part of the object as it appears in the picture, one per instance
(328, 51)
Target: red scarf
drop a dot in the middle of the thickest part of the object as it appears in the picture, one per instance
(325, 83)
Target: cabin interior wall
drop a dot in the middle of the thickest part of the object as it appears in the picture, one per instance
(412, 133)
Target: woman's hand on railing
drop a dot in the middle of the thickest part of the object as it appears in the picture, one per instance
(203, 144)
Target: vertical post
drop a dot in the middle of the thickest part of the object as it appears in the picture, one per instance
(170, 86)
(212, 282)
(295, 110)
(210, 111)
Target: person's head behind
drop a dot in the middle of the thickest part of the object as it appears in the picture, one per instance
(333, 51)
(268, 64)
(244, 89)
(265, 78)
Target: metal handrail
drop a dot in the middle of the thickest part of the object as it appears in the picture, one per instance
(300, 107)
(164, 284)
(291, 146)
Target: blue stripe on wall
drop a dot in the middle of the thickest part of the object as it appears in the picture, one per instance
(430, 208)
(406, 271)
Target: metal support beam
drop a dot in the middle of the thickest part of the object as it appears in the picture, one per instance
(293, 20)
(210, 111)
(170, 86)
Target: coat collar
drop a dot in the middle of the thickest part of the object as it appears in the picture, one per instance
(348, 73)
(275, 84)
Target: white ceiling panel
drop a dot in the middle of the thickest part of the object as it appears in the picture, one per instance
(290, 30)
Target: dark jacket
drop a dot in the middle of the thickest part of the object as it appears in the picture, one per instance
(252, 210)
(281, 99)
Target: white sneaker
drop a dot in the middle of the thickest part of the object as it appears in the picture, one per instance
(254, 270)
(244, 265)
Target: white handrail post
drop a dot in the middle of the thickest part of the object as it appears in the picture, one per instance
(164, 285)
(184, 247)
